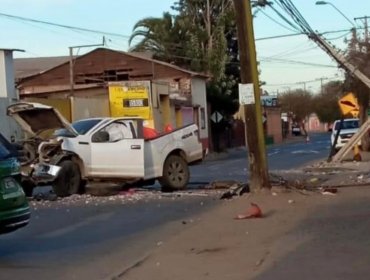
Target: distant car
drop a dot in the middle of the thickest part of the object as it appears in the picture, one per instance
(348, 129)
(296, 130)
(14, 209)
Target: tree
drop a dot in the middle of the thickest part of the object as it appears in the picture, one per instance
(160, 36)
(325, 104)
(200, 36)
(299, 103)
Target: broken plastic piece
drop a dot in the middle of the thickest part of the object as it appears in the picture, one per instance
(253, 212)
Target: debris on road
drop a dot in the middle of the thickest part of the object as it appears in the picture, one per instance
(114, 195)
(254, 211)
(235, 190)
(222, 184)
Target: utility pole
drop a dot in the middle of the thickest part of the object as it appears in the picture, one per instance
(258, 170)
(321, 83)
(71, 63)
(364, 19)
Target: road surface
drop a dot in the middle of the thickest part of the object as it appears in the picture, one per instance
(84, 238)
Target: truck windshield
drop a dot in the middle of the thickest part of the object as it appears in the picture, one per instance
(83, 126)
(347, 124)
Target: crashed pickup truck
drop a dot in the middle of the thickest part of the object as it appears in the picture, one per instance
(102, 149)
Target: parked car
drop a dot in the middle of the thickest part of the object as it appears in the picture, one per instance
(105, 149)
(347, 130)
(296, 129)
(14, 208)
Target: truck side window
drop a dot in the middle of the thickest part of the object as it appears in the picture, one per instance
(118, 131)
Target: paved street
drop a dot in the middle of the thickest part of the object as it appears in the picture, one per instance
(97, 240)
(280, 157)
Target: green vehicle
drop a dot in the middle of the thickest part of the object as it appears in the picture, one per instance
(14, 209)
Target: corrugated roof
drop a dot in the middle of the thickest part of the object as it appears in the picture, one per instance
(24, 67)
(28, 67)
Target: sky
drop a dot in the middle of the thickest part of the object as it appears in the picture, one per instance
(280, 59)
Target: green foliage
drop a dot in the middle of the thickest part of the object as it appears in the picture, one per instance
(200, 38)
(297, 102)
(325, 105)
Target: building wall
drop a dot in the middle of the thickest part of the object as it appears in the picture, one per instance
(63, 105)
(7, 88)
(160, 93)
(199, 99)
(8, 127)
(90, 107)
(314, 124)
(274, 126)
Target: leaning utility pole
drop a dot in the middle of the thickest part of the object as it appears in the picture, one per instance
(258, 171)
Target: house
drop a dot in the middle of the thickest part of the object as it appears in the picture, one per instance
(107, 82)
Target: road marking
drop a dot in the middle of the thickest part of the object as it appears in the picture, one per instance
(305, 152)
(273, 153)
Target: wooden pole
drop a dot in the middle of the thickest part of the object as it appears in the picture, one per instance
(258, 171)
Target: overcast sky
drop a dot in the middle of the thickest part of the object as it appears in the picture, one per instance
(280, 59)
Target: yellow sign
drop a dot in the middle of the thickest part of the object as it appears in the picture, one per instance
(130, 99)
(348, 105)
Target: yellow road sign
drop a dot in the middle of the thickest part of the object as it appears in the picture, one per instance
(348, 105)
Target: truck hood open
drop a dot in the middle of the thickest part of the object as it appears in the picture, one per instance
(35, 118)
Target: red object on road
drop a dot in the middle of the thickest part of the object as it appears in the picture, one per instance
(253, 212)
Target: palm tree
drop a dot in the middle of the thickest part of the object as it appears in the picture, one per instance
(161, 36)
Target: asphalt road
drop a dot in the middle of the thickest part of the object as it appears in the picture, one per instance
(98, 239)
(234, 165)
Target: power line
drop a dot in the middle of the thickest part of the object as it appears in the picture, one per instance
(300, 82)
(64, 26)
(274, 20)
(289, 61)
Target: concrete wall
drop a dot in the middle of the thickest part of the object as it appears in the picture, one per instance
(8, 127)
(7, 88)
(199, 97)
(314, 124)
(274, 126)
(62, 105)
(90, 107)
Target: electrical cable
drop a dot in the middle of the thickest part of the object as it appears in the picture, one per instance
(64, 26)
(274, 20)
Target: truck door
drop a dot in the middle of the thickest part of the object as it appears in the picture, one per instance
(115, 152)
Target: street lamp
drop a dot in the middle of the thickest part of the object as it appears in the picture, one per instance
(328, 3)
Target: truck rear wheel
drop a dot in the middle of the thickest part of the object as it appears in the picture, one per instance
(175, 173)
(69, 179)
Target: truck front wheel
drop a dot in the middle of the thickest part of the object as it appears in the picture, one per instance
(69, 179)
(175, 173)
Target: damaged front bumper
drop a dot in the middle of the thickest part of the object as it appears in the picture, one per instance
(43, 172)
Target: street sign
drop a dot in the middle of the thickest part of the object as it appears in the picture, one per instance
(216, 117)
(269, 100)
(246, 94)
(348, 105)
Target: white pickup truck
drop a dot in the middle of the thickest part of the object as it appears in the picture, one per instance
(103, 149)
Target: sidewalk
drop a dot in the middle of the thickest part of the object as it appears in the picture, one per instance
(218, 247)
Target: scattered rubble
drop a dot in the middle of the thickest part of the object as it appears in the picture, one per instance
(323, 175)
(132, 195)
